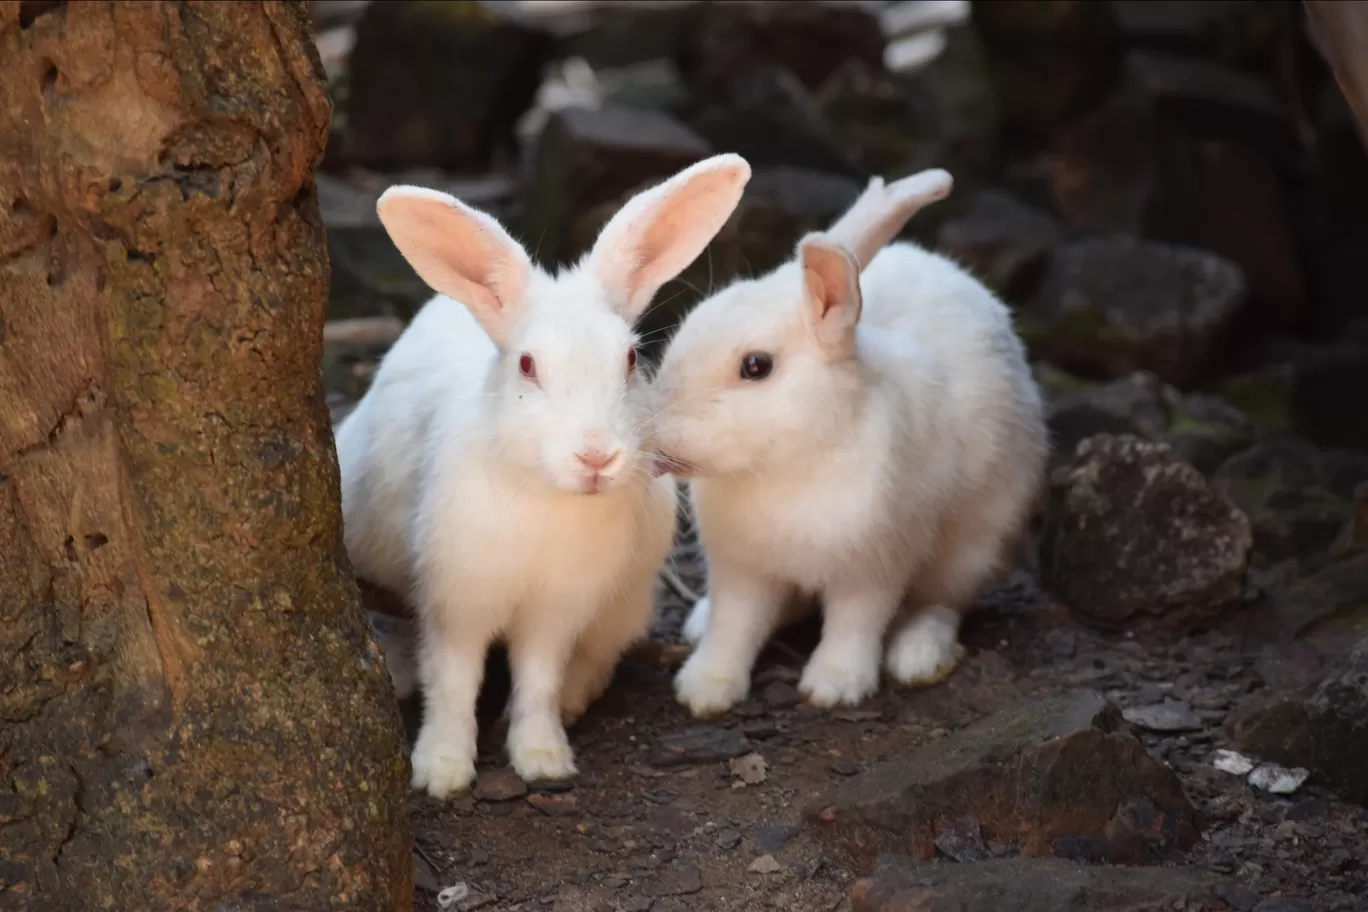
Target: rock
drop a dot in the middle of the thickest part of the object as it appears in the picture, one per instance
(678, 880)
(1136, 538)
(770, 839)
(1169, 716)
(555, 805)
(1045, 773)
(781, 695)
(1321, 406)
(1201, 428)
(439, 84)
(369, 276)
(1235, 764)
(750, 769)
(812, 40)
(843, 768)
(700, 744)
(500, 785)
(1237, 33)
(1322, 728)
(1297, 495)
(1050, 61)
(941, 114)
(1002, 241)
(1277, 780)
(728, 838)
(764, 114)
(765, 864)
(585, 157)
(1027, 885)
(961, 838)
(1212, 101)
(1111, 305)
(1327, 609)
(1126, 169)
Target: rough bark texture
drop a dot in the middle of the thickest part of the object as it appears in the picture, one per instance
(192, 712)
(1341, 31)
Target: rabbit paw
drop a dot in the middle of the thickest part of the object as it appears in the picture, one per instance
(540, 750)
(706, 689)
(697, 622)
(924, 652)
(442, 764)
(838, 680)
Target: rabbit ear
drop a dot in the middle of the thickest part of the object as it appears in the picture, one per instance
(664, 229)
(461, 252)
(882, 210)
(831, 294)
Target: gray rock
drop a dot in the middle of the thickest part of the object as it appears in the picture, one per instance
(1111, 305)
(1136, 539)
(1168, 716)
(1203, 429)
(1046, 773)
(1002, 241)
(700, 744)
(439, 84)
(766, 115)
(1322, 728)
(1297, 495)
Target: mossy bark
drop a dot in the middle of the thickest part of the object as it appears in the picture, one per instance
(192, 712)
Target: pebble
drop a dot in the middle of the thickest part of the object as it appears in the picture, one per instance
(728, 838)
(765, 864)
(750, 769)
(679, 880)
(500, 785)
(843, 768)
(770, 839)
(555, 805)
(1168, 716)
(1278, 780)
(1228, 761)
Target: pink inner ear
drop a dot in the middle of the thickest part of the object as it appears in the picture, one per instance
(831, 277)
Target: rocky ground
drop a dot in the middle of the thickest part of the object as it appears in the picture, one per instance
(1168, 706)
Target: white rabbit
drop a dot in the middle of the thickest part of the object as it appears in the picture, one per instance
(498, 470)
(874, 441)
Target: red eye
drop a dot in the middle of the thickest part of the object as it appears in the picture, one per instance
(631, 360)
(528, 367)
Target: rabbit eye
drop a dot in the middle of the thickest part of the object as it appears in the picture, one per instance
(528, 366)
(631, 360)
(756, 366)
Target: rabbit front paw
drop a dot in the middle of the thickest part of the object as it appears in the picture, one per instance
(540, 750)
(443, 764)
(707, 688)
(836, 679)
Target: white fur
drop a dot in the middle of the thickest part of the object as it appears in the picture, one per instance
(886, 465)
(461, 483)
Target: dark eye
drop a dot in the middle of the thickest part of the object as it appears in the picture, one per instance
(631, 360)
(756, 366)
(528, 367)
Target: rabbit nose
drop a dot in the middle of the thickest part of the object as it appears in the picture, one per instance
(596, 458)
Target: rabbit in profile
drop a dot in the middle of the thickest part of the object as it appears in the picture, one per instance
(498, 470)
(861, 429)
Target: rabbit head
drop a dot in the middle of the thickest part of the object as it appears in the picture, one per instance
(566, 400)
(766, 368)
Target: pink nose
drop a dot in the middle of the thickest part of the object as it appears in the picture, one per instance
(595, 458)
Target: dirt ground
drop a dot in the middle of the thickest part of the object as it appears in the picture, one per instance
(642, 828)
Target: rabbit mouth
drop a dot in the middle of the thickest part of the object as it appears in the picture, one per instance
(665, 464)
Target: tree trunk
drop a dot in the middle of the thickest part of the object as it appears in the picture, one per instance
(192, 712)
(1340, 30)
